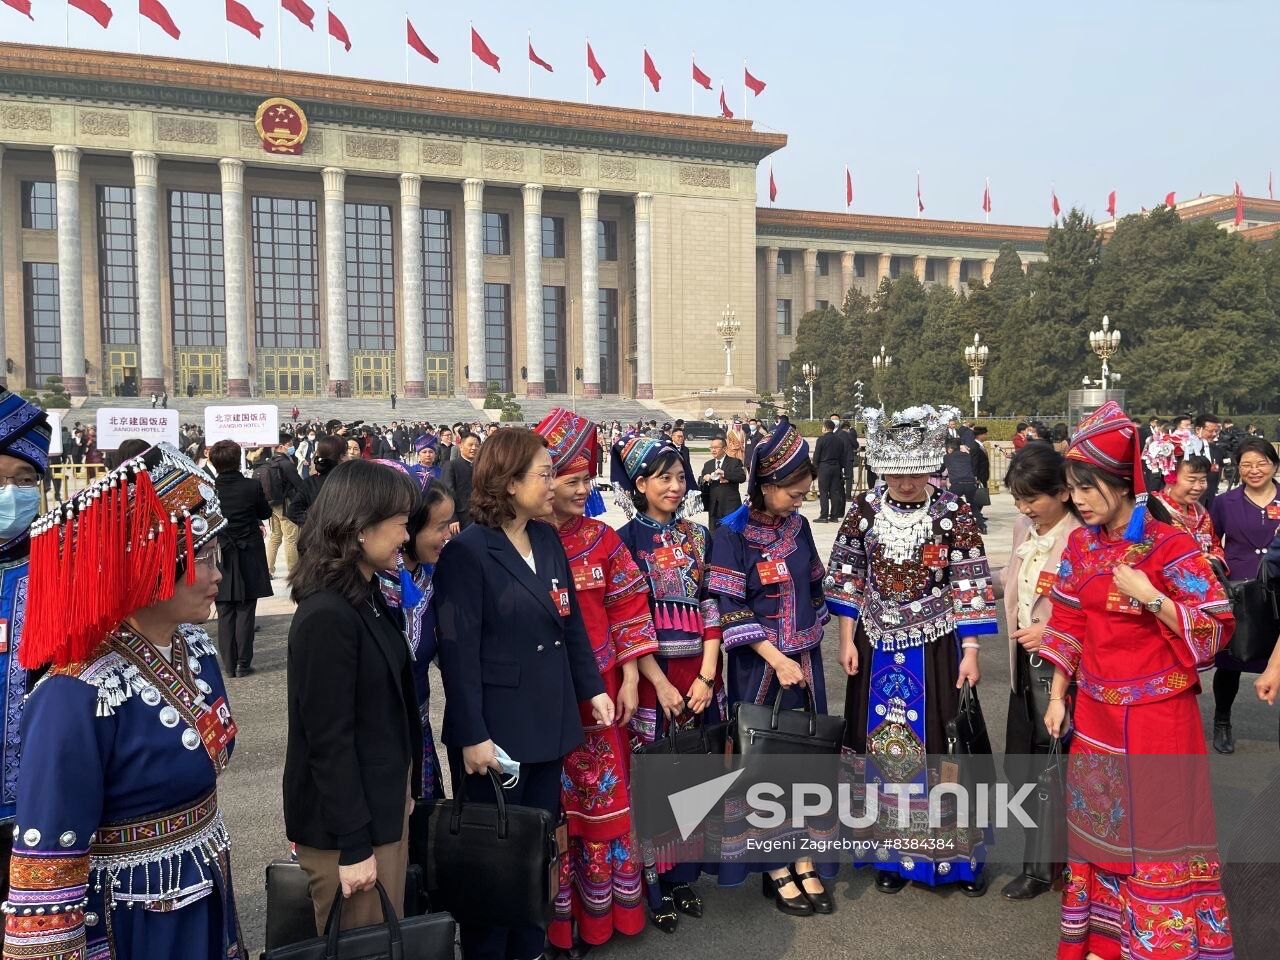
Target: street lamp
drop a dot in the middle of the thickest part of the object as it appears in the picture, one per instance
(1106, 344)
(881, 363)
(728, 326)
(809, 371)
(975, 354)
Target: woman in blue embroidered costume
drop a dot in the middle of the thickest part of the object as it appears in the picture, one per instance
(120, 848)
(681, 683)
(909, 580)
(767, 580)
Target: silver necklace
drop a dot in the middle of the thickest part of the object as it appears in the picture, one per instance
(901, 533)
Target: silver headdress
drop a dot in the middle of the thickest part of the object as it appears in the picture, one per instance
(911, 441)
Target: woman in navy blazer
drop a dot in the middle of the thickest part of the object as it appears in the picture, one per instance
(514, 654)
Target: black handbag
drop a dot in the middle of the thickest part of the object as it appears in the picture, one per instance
(429, 937)
(1045, 850)
(981, 496)
(1253, 602)
(681, 759)
(968, 742)
(1038, 690)
(766, 737)
(491, 864)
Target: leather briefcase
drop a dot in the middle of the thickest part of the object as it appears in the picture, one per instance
(429, 937)
(1257, 613)
(686, 758)
(491, 864)
(1045, 850)
(761, 733)
(968, 742)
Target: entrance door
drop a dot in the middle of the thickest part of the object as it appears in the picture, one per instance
(200, 371)
(439, 375)
(122, 372)
(374, 375)
(289, 374)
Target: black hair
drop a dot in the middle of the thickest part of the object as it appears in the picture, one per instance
(1087, 475)
(663, 462)
(1060, 433)
(329, 453)
(1206, 418)
(435, 494)
(1260, 446)
(952, 444)
(1196, 463)
(756, 494)
(980, 431)
(828, 425)
(1022, 425)
(1038, 470)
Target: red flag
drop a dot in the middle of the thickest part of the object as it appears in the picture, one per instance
(481, 50)
(1170, 200)
(651, 71)
(1057, 209)
(848, 188)
(919, 197)
(773, 185)
(242, 16)
(94, 8)
(416, 44)
(756, 86)
(593, 65)
(700, 78)
(986, 197)
(339, 32)
(1111, 204)
(306, 16)
(22, 6)
(154, 11)
(1239, 204)
(724, 105)
(538, 60)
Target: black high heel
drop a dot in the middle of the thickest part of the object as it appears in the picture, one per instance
(665, 917)
(822, 902)
(687, 900)
(797, 906)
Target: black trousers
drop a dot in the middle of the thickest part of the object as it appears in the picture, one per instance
(539, 786)
(830, 491)
(235, 633)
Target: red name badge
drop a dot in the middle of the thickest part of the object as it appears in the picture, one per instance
(1273, 511)
(1045, 583)
(668, 557)
(560, 597)
(4, 636)
(217, 729)
(588, 576)
(773, 571)
(934, 555)
(1119, 603)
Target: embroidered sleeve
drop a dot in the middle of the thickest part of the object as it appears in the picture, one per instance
(626, 603)
(1063, 641)
(817, 575)
(60, 791)
(727, 585)
(972, 596)
(1204, 612)
(846, 579)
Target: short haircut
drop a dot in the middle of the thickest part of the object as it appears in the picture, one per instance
(1022, 425)
(1260, 446)
(1036, 470)
(502, 458)
(130, 448)
(225, 456)
(434, 494)
(1196, 463)
(828, 424)
(979, 431)
(1206, 418)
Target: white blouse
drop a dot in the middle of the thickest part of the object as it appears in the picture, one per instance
(1034, 552)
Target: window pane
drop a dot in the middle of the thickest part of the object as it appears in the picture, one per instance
(43, 334)
(40, 205)
(554, 340)
(285, 271)
(371, 320)
(437, 279)
(497, 334)
(607, 237)
(195, 258)
(608, 319)
(497, 235)
(784, 318)
(553, 238)
(117, 266)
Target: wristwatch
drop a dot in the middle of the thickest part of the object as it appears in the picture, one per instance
(1154, 605)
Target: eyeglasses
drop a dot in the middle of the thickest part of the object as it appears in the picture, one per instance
(210, 557)
(546, 476)
(26, 482)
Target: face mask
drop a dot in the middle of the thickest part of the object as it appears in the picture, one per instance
(289, 450)
(18, 507)
(311, 436)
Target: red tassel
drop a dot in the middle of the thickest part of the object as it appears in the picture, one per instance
(38, 635)
(191, 549)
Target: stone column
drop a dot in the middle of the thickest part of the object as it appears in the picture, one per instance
(921, 266)
(146, 219)
(535, 359)
(988, 268)
(810, 280)
(66, 162)
(770, 319)
(846, 275)
(412, 329)
(589, 210)
(883, 262)
(473, 220)
(953, 274)
(335, 279)
(644, 296)
(235, 283)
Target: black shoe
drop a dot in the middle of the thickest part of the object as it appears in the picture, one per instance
(578, 950)
(687, 900)
(1023, 887)
(232, 671)
(665, 917)
(797, 906)
(243, 671)
(976, 887)
(1223, 741)
(822, 902)
(821, 520)
(889, 882)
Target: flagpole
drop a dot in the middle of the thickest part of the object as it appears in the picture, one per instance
(586, 42)
(693, 60)
(328, 42)
(139, 21)
(472, 42)
(529, 61)
(744, 88)
(406, 46)
(226, 39)
(279, 45)
(68, 24)
(987, 197)
(644, 86)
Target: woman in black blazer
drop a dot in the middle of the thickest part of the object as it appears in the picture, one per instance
(245, 577)
(354, 754)
(514, 654)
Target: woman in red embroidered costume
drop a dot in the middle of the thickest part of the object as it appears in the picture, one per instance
(127, 734)
(1182, 459)
(1137, 612)
(600, 885)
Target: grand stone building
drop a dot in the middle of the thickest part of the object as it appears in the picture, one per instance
(423, 241)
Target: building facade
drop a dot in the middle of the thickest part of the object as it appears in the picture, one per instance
(428, 242)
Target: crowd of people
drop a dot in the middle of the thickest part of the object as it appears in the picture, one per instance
(420, 544)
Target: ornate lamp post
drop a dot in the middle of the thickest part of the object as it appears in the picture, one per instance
(975, 355)
(728, 326)
(1106, 344)
(881, 363)
(810, 373)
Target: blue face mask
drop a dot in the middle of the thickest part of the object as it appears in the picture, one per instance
(18, 507)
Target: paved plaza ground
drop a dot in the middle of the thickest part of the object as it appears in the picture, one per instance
(913, 925)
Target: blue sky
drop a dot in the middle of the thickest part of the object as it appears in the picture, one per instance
(1087, 96)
